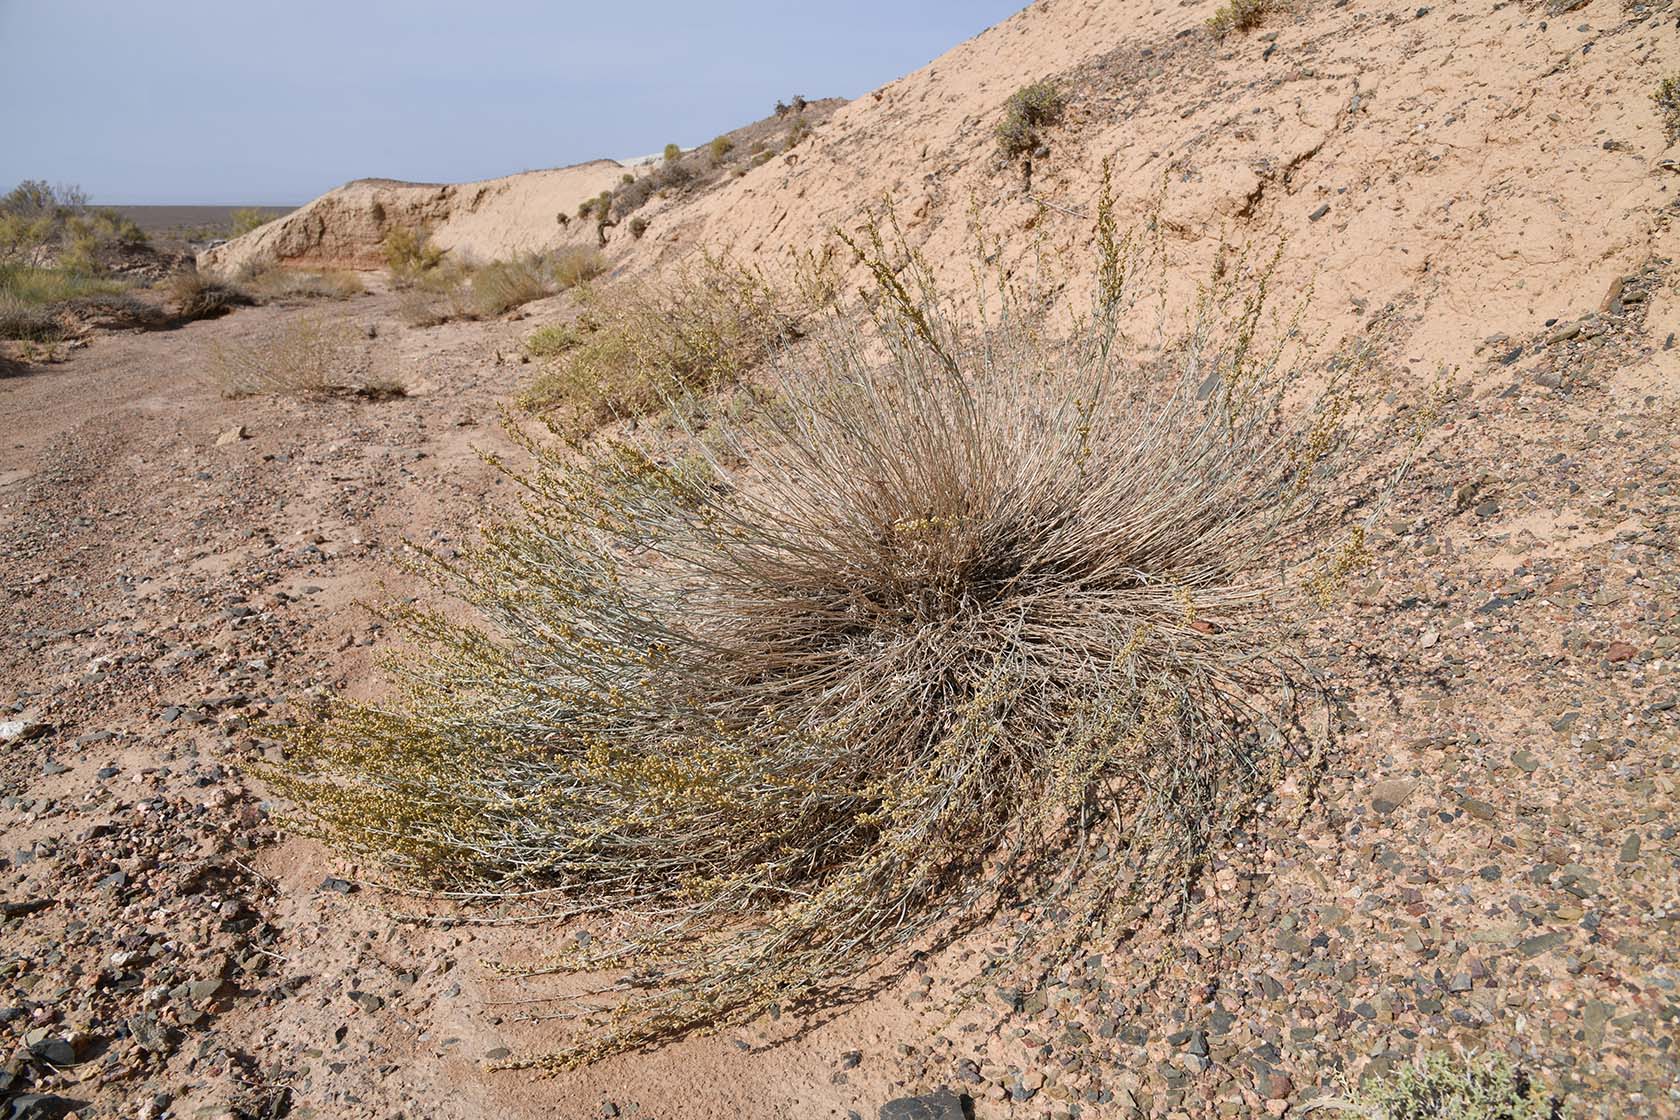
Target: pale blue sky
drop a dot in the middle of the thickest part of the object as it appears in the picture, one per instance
(233, 101)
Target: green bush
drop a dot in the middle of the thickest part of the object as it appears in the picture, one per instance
(41, 223)
(1026, 113)
(673, 152)
(718, 150)
(30, 297)
(638, 226)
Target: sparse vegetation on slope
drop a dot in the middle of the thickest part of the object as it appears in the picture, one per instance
(1240, 15)
(1667, 99)
(410, 255)
(638, 343)
(981, 598)
(1027, 112)
(452, 290)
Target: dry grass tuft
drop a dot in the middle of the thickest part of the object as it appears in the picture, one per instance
(24, 320)
(501, 286)
(638, 344)
(976, 598)
(310, 357)
(192, 295)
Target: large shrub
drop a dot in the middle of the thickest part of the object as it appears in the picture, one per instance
(951, 600)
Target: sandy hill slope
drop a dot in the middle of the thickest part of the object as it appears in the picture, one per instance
(485, 220)
(1481, 168)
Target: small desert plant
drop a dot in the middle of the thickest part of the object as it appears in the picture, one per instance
(245, 220)
(977, 598)
(409, 254)
(673, 152)
(309, 357)
(1026, 113)
(1667, 99)
(1443, 1088)
(638, 226)
(195, 295)
(1240, 15)
(718, 150)
(575, 265)
(551, 341)
(639, 342)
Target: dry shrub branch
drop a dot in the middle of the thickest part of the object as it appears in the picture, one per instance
(978, 595)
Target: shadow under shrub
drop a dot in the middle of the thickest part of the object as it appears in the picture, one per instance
(954, 600)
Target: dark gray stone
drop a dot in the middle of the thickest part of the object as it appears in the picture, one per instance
(943, 1105)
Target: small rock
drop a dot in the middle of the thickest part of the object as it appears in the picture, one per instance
(39, 1106)
(1389, 795)
(54, 1051)
(1322, 209)
(232, 435)
(1619, 652)
(942, 1105)
(22, 730)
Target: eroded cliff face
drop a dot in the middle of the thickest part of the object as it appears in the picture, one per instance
(485, 220)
